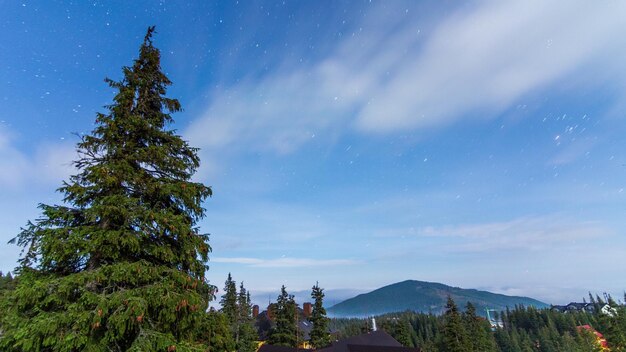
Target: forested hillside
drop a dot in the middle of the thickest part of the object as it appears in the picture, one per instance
(424, 297)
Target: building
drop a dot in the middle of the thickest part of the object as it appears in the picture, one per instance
(584, 307)
(376, 341)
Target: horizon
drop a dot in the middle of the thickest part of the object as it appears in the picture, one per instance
(357, 144)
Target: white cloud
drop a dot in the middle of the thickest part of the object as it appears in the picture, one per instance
(392, 75)
(50, 163)
(284, 262)
(53, 162)
(279, 113)
(485, 58)
(523, 234)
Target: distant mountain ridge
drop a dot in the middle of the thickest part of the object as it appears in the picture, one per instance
(424, 297)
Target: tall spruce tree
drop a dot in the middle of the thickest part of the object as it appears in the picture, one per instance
(229, 303)
(319, 333)
(246, 333)
(478, 329)
(455, 337)
(285, 330)
(120, 266)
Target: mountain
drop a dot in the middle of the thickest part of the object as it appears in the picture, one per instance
(425, 297)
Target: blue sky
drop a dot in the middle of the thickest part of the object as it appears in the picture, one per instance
(478, 144)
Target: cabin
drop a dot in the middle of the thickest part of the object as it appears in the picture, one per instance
(375, 341)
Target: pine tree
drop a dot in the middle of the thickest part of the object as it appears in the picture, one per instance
(217, 333)
(121, 264)
(400, 329)
(246, 334)
(229, 303)
(285, 332)
(319, 333)
(480, 337)
(454, 335)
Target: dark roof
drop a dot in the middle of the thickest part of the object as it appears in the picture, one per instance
(578, 306)
(365, 348)
(273, 348)
(376, 339)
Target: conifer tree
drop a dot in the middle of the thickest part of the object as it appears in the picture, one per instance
(217, 333)
(285, 332)
(481, 338)
(319, 333)
(120, 265)
(400, 329)
(586, 340)
(229, 303)
(455, 337)
(246, 333)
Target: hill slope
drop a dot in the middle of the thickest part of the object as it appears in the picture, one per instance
(426, 297)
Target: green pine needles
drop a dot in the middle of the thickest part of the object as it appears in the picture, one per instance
(285, 331)
(121, 265)
(320, 336)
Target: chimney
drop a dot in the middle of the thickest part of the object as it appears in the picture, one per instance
(307, 309)
(255, 311)
(270, 314)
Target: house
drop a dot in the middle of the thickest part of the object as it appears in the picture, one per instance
(580, 307)
(608, 310)
(584, 307)
(272, 348)
(375, 341)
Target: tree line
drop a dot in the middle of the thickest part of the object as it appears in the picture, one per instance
(521, 329)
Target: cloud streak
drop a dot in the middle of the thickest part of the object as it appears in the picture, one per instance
(483, 59)
(392, 75)
(285, 262)
(51, 162)
(521, 234)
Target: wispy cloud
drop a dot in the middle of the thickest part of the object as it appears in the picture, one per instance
(50, 162)
(490, 54)
(523, 234)
(285, 262)
(13, 164)
(392, 74)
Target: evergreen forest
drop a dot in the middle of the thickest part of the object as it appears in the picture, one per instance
(522, 329)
